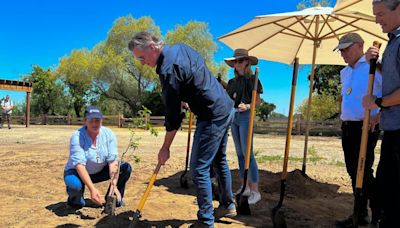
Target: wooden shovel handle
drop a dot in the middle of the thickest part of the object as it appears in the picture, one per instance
(251, 121)
(149, 186)
(364, 135)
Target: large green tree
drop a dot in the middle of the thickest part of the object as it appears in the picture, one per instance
(109, 72)
(264, 110)
(48, 92)
(324, 106)
(75, 72)
(327, 80)
(327, 87)
(117, 75)
(197, 35)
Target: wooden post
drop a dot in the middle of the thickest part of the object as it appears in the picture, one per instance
(298, 125)
(28, 109)
(120, 120)
(147, 120)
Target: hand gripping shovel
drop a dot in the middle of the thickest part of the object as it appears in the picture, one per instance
(183, 180)
(138, 213)
(243, 207)
(364, 142)
(278, 218)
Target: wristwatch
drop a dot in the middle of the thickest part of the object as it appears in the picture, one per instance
(378, 102)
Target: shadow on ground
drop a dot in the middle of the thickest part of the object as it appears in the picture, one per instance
(303, 196)
(124, 220)
(61, 209)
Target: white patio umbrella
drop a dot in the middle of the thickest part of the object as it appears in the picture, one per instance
(310, 34)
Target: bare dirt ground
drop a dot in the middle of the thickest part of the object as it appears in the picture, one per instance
(33, 193)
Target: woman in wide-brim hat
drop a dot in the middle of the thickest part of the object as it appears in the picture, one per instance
(240, 90)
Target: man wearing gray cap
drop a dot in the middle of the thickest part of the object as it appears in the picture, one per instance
(387, 15)
(354, 79)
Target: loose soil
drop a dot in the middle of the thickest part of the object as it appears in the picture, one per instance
(33, 191)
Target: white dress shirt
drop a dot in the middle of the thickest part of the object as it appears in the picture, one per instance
(354, 87)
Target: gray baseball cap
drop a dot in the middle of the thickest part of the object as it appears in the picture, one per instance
(347, 40)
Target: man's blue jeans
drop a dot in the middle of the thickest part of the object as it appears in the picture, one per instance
(240, 128)
(76, 187)
(209, 148)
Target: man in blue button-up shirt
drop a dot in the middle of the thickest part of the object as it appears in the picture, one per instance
(93, 158)
(185, 77)
(387, 15)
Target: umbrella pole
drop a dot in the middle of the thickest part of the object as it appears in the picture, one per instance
(316, 45)
(303, 169)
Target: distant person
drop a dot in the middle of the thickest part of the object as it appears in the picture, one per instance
(387, 15)
(184, 76)
(240, 90)
(354, 79)
(93, 158)
(7, 106)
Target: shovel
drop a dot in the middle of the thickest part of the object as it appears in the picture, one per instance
(111, 202)
(364, 142)
(243, 207)
(183, 180)
(111, 199)
(138, 213)
(278, 218)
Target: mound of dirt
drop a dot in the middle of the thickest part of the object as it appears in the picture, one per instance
(303, 187)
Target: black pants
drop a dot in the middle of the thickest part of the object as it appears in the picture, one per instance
(5, 117)
(351, 140)
(388, 178)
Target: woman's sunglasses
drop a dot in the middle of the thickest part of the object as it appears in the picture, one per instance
(240, 61)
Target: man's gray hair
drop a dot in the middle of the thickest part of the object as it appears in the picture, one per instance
(143, 40)
(390, 4)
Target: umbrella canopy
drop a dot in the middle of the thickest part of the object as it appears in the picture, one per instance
(363, 6)
(310, 34)
(282, 37)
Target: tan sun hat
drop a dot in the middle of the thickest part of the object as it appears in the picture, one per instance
(347, 40)
(240, 54)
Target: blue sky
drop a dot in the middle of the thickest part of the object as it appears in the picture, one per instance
(41, 32)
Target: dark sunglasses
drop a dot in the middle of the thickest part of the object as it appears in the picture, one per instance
(240, 61)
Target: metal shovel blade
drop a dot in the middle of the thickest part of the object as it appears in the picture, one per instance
(110, 205)
(278, 218)
(184, 182)
(243, 207)
(136, 217)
